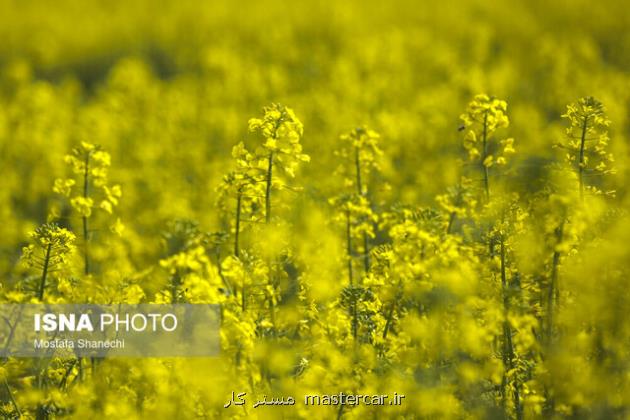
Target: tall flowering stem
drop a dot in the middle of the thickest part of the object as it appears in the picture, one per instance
(281, 132)
(483, 117)
(587, 142)
(361, 146)
(90, 164)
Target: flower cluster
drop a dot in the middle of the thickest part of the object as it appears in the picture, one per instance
(483, 117)
(50, 239)
(359, 149)
(90, 164)
(51, 248)
(587, 142)
(281, 131)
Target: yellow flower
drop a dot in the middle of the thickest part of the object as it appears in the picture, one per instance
(106, 205)
(118, 227)
(82, 205)
(63, 186)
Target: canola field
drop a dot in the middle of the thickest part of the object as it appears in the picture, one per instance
(384, 198)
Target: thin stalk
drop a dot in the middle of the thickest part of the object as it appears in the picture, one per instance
(366, 243)
(581, 163)
(453, 215)
(228, 286)
(64, 380)
(366, 257)
(349, 247)
(268, 189)
(517, 403)
(12, 328)
(237, 228)
(13, 402)
(41, 413)
(451, 221)
(243, 305)
(85, 219)
(355, 317)
(42, 284)
(508, 350)
(553, 286)
(237, 231)
(340, 411)
(506, 332)
(354, 325)
(272, 311)
(357, 164)
(390, 317)
(175, 281)
(486, 177)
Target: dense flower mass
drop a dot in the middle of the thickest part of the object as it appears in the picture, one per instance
(339, 178)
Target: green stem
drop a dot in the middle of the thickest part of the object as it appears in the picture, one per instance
(12, 328)
(354, 325)
(390, 317)
(227, 283)
(237, 228)
(451, 221)
(85, 247)
(581, 162)
(41, 413)
(42, 284)
(13, 402)
(272, 311)
(349, 247)
(366, 243)
(268, 189)
(355, 317)
(85, 219)
(64, 380)
(236, 243)
(503, 268)
(340, 412)
(508, 351)
(243, 306)
(357, 164)
(486, 177)
(175, 282)
(553, 286)
(505, 357)
(366, 257)
(458, 202)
